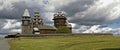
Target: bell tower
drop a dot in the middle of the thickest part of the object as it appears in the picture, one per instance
(26, 22)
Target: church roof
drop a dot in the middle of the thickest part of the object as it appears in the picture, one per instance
(59, 14)
(26, 13)
(47, 27)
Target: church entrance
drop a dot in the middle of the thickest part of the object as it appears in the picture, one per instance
(36, 31)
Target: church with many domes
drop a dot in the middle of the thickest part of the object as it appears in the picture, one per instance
(35, 24)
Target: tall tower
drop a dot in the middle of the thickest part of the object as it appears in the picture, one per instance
(26, 22)
(37, 20)
(59, 19)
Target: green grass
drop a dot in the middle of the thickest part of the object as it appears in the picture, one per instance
(0, 39)
(67, 43)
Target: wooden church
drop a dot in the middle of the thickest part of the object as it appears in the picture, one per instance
(35, 24)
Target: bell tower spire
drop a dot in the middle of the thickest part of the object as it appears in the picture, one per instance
(25, 22)
(26, 13)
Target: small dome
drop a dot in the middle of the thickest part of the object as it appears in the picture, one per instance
(36, 12)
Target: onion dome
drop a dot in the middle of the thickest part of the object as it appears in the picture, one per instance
(36, 13)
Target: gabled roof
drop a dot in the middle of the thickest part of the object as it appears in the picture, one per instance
(26, 13)
(47, 27)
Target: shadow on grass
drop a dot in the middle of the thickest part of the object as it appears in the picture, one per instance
(74, 44)
(110, 49)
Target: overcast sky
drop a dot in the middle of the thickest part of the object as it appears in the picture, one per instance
(82, 14)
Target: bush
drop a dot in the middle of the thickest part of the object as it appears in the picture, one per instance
(63, 29)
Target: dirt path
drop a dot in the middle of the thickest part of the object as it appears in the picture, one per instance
(4, 44)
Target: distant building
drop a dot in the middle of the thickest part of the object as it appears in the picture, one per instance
(35, 25)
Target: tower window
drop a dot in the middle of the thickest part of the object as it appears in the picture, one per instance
(25, 22)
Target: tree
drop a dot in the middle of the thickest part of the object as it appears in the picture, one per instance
(63, 29)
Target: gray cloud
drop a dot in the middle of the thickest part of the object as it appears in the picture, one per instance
(79, 12)
(15, 9)
(11, 12)
(72, 10)
(7, 25)
(78, 6)
(91, 12)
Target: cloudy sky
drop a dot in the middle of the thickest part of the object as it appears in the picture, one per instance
(84, 15)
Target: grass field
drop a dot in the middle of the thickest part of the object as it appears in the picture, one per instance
(86, 42)
(0, 39)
